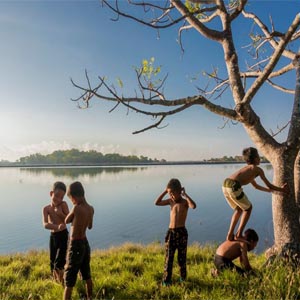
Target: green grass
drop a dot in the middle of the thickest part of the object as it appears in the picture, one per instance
(134, 271)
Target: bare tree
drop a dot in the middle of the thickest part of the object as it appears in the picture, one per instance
(242, 82)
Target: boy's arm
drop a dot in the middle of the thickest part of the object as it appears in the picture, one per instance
(63, 211)
(65, 208)
(260, 188)
(271, 187)
(69, 218)
(189, 200)
(159, 201)
(47, 224)
(244, 256)
(90, 226)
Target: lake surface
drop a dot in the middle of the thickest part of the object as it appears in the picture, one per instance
(123, 199)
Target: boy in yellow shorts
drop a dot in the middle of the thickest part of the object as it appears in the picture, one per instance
(236, 198)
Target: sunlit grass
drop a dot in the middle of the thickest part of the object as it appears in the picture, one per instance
(134, 271)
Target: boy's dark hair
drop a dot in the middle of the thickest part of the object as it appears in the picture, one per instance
(76, 189)
(250, 154)
(58, 185)
(174, 184)
(251, 235)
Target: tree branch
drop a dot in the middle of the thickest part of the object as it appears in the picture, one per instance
(294, 132)
(268, 35)
(238, 10)
(198, 25)
(178, 104)
(280, 88)
(273, 61)
(151, 126)
(280, 129)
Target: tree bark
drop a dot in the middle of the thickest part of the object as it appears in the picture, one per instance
(286, 167)
(285, 208)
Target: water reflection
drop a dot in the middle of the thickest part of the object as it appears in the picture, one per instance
(123, 199)
(74, 172)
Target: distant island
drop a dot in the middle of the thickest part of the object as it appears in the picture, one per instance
(76, 157)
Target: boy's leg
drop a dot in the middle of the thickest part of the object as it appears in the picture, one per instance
(85, 271)
(55, 276)
(182, 250)
(223, 263)
(60, 259)
(67, 293)
(89, 288)
(234, 219)
(169, 258)
(61, 249)
(52, 254)
(244, 219)
(60, 275)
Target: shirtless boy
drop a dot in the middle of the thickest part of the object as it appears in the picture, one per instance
(54, 219)
(233, 192)
(78, 257)
(177, 235)
(230, 250)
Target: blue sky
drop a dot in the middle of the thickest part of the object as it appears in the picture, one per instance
(45, 43)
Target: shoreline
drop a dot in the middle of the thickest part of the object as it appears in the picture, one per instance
(170, 163)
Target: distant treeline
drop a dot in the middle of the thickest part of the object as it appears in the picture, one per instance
(236, 158)
(92, 157)
(76, 157)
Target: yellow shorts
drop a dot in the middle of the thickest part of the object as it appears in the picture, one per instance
(234, 195)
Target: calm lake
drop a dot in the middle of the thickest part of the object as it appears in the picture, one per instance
(123, 200)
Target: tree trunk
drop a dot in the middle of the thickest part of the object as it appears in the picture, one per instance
(285, 207)
(297, 179)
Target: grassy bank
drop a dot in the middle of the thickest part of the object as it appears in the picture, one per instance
(135, 271)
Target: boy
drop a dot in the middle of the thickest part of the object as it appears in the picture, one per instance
(230, 250)
(54, 219)
(177, 235)
(78, 257)
(233, 192)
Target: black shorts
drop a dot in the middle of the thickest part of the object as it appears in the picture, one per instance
(78, 260)
(58, 249)
(222, 263)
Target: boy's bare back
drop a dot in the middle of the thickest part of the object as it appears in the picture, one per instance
(82, 219)
(239, 248)
(246, 174)
(231, 249)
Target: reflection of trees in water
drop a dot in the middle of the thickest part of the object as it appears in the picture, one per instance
(268, 167)
(75, 172)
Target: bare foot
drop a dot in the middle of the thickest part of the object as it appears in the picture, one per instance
(214, 272)
(230, 237)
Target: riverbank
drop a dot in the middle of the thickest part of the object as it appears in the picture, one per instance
(132, 271)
